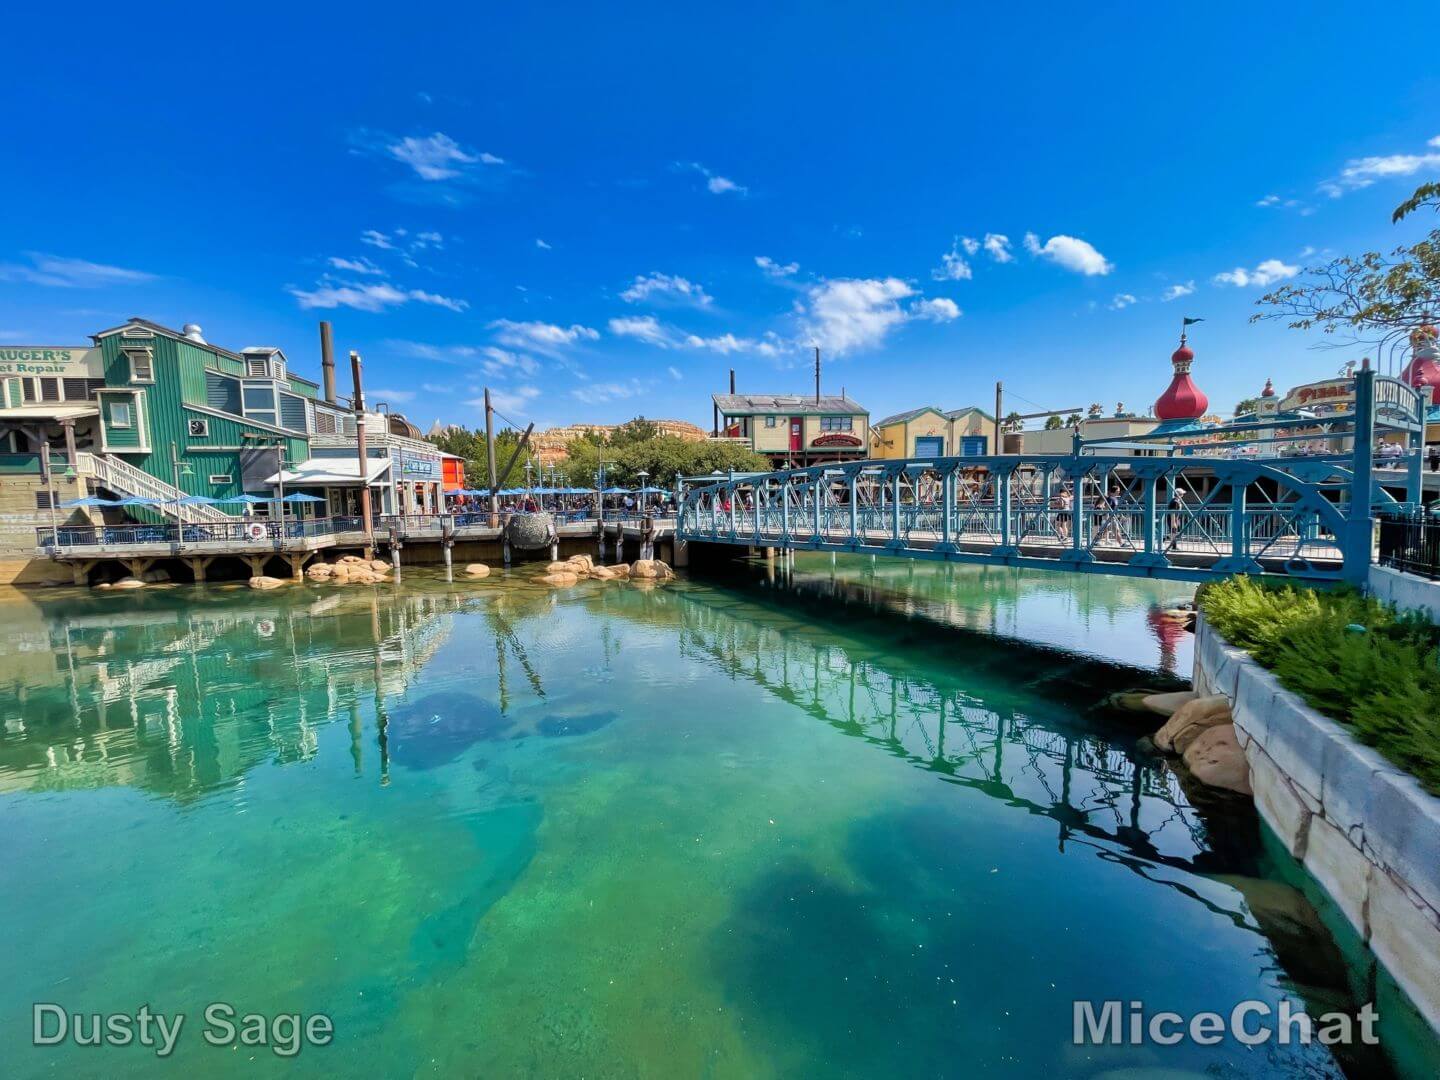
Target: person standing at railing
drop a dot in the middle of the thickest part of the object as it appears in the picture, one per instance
(1062, 519)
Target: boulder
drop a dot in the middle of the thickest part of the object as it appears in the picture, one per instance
(1214, 757)
(128, 583)
(559, 568)
(602, 573)
(380, 566)
(265, 582)
(1166, 704)
(620, 569)
(583, 562)
(644, 568)
(478, 569)
(351, 560)
(560, 579)
(104, 585)
(319, 571)
(1131, 700)
(151, 577)
(1190, 719)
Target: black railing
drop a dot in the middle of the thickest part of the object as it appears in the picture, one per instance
(1411, 542)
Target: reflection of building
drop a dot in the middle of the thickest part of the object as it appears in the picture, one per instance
(795, 429)
(928, 432)
(162, 414)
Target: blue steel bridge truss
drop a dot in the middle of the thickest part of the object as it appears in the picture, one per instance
(1184, 515)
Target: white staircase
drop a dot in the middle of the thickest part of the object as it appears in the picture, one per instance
(125, 479)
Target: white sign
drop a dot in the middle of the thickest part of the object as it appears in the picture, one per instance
(51, 360)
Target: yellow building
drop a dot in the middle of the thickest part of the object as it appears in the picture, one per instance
(928, 432)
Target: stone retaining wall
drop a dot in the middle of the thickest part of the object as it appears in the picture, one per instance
(1365, 830)
(1405, 591)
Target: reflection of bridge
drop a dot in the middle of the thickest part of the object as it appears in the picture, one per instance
(1186, 515)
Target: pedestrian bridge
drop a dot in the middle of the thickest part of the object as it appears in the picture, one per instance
(1145, 509)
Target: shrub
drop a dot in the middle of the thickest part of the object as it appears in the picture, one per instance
(1349, 656)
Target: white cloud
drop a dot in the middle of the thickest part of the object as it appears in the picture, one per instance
(541, 244)
(377, 239)
(1362, 172)
(1070, 253)
(1122, 301)
(400, 396)
(845, 314)
(356, 266)
(998, 246)
(540, 336)
(654, 286)
(437, 156)
(499, 362)
(774, 269)
(1267, 273)
(953, 266)
(371, 296)
(598, 393)
(644, 328)
(675, 373)
(1175, 292)
(717, 184)
(970, 244)
(651, 331)
(513, 399)
(62, 273)
(1268, 200)
(940, 310)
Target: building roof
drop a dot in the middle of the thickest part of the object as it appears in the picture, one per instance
(956, 414)
(793, 404)
(904, 417)
(331, 472)
(50, 410)
(178, 335)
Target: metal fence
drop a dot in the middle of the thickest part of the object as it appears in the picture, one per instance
(1411, 542)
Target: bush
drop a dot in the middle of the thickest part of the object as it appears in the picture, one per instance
(1350, 657)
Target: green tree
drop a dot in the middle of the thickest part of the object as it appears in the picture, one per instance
(1072, 420)
(1246, 405)
(1053, 423)
(1373, 296)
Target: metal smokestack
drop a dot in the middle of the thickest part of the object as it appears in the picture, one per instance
(732, 380)
(817, 374)
(327, 362)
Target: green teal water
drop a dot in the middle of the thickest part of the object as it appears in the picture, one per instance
(870, 821)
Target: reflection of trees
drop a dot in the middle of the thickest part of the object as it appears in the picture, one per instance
(182, 697)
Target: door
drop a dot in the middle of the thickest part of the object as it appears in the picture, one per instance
(930, 446)
(797, 434)
(973, 445)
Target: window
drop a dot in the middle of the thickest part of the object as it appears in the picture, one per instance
(120, 415)
(769, 421)
(259, 401)
(257, 366)
(837, 423)
(142, 367)
(44, 500)
(49, 389)
(220, 478)
(29, 388)
(76, 389)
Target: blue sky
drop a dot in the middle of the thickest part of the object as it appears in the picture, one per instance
(599, 209)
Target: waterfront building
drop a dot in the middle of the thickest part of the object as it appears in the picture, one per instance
(551, 446)
(149, 411)
(794, 429)
(929, 432)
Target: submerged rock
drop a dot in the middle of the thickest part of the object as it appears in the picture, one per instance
(559, 579)
(1192, 718)
(1166, 704)
(478, 569)
(1215, 758)
(128, 583)
(264, 581)
(575, 725)
(435, 729)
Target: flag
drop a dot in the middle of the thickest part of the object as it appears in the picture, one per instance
(1192, 322)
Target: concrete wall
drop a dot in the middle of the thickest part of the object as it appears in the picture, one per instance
(1405, 591)
(1366, 831)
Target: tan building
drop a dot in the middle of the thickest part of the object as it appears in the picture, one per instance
(791, 429)
(928, 432)
(1061, 440)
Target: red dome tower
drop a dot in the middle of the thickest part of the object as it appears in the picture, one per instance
(1424, 367)
(1183, 400)
(1269, 390)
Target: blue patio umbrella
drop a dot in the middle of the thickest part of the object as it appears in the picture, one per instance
(136, 500)
(301, 497)
(198, 500)
(649, 491)
(616, 491)
(90, 501)
(249, 500)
